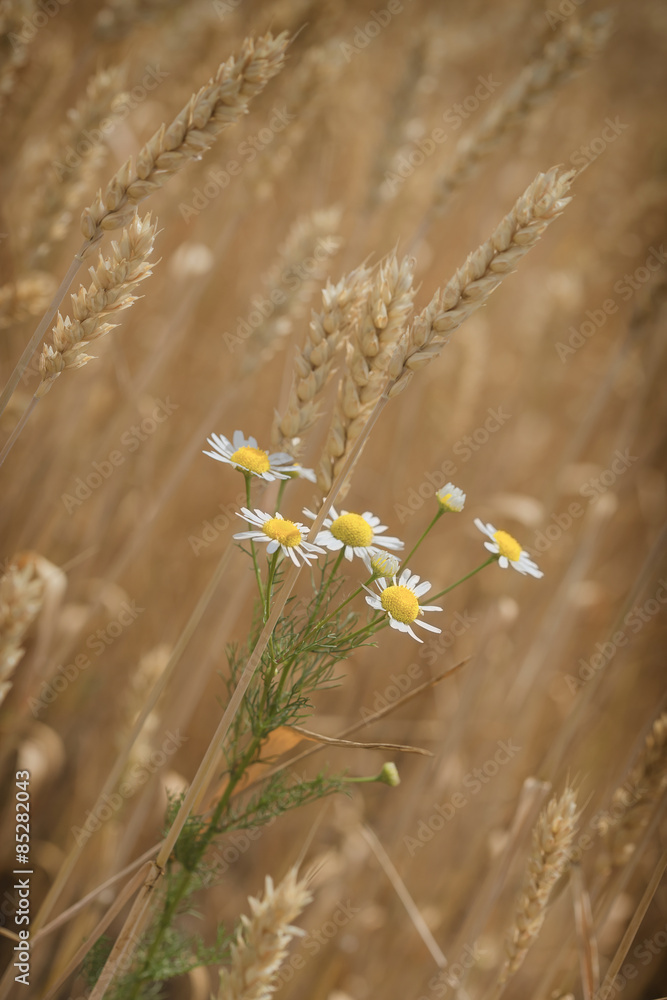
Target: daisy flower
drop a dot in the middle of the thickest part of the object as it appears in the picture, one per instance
(354, 533)
(400, 600)
(451, 498)
(243, 454)
(382, 564)
(508, 550)
(279, 533)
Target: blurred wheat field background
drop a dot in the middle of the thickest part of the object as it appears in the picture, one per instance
(409, 128)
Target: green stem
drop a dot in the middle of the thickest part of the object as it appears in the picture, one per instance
(464, 578)
(186, 874)
(281, 490)
(422, 537)
(253, 550)
(340, 607)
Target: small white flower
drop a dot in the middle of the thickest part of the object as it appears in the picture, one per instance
(451, 498)
(243, 454)
(508, 550)
(278, 532)
(356, 534)
(302, 473)
(382, 564)
(400, 600)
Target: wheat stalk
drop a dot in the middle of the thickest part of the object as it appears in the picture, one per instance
(113, 281)
(550, 858)
(220, 103)
(470, 287)
(263, 939)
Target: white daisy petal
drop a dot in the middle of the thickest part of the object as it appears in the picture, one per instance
(508, 551)
(244, 454)
(355, 533)
(400, 601)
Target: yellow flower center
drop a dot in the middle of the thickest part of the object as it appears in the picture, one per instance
(253, 459)
(285, 532)
(508, 546)
(351, 529)
(401, 604)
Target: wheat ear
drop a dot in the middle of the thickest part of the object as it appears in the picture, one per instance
(289, 284)
(627, 815)
(26, 297)
(220, 103)
(113, 281)
(562, 57)
(550, 858)
(369, 350)
(263, 939)
(470, 287)
(21, 596)
(61, 192)
(314, 362)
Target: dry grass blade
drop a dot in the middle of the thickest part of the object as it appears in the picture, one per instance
(406, 899)
(336, 742)
(633, 927)
(589, 961)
